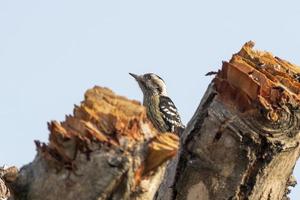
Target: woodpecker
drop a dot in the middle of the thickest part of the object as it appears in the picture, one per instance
(159, 107)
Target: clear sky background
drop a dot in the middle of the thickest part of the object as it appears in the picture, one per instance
(52, 51)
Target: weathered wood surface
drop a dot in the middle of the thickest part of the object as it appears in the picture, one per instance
(243, 141)
(106, 150)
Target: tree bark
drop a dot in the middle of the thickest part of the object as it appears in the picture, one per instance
(241, 143)
(106, 150)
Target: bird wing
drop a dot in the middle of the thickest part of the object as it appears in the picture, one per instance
(170, 113)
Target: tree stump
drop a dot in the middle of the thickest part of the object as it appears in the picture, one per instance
(106, 150)
(241, 143)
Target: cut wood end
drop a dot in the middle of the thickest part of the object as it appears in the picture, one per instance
(254, 78)
(162, 148)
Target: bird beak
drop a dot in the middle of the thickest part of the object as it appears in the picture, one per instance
(135, 76)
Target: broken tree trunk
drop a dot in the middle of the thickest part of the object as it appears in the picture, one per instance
(242, 143)
(243, 140)
(106, 150)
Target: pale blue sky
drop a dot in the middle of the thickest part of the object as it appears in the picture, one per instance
(52, 51)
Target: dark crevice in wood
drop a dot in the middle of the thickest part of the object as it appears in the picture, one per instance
(261, 155)
(218, 136)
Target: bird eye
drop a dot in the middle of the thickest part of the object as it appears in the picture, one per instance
(148, 77)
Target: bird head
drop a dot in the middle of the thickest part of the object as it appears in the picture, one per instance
(151, 84)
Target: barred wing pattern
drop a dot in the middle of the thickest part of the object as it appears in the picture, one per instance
(170, 114)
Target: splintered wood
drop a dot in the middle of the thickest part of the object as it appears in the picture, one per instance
(243, 141)
(107, 149)
(104, 118)
(162, 147)
(254, 78)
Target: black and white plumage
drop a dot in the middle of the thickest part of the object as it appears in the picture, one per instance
(170, 113)
(161, 110)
